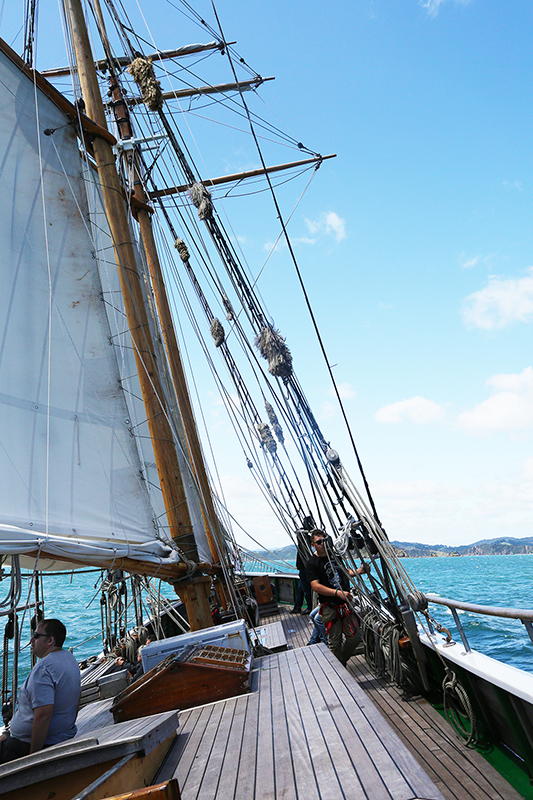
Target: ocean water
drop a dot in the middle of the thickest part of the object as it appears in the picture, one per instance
(75, 600)
(505, 581)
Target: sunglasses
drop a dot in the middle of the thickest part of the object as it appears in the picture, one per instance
(318, 541)
(36, 635)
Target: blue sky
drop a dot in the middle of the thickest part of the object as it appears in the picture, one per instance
(415, 242)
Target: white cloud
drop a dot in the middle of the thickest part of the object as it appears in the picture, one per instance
(328, 223)
(327, 410)
(245, 502)
(527, 469)
(509, 409)
(513, 185)
(275, 247)
(500, 303)
(346, 391)
(416, 409)
(448, 513)
(468, 263)
(433, 6)
(305, 240)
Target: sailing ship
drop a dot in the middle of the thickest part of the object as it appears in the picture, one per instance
(107, 217)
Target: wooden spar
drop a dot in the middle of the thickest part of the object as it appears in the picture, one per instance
(196, 598)
(179, 94)
(240, 176)
(165, 571)
(123, 61)
(192, 441)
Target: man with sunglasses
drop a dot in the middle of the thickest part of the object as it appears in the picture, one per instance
(47, 702)
(332, 586)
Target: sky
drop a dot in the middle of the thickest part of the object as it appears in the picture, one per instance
(415, 243)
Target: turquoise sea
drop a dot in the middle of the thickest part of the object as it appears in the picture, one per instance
(505, 581)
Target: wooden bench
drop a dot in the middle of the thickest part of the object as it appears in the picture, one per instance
(123, 756)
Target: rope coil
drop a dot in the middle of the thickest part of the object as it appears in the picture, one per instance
(458, 709)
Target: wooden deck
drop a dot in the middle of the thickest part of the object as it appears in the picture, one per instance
(306, 731)
(459, 772)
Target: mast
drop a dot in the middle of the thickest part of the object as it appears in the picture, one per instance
(195, 591)
(143, 215)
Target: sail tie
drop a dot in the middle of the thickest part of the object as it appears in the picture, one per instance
(142, 71)
(230, 313)
(267, 439)
(182, 249)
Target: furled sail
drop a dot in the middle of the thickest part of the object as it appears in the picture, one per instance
(76, 466)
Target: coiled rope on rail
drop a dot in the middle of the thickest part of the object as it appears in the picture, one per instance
(458, 709)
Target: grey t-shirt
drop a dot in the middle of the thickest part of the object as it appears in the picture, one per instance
(55, 679)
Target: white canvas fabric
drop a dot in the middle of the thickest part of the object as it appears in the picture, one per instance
(76, 465)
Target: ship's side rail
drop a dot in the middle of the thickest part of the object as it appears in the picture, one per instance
(524, 615)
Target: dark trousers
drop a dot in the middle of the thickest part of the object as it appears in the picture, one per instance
(11, 748)
(304, 590)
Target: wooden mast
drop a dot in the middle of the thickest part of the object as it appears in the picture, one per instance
(143, 215)
(195, 593)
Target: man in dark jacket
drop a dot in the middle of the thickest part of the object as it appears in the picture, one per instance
(331, 584)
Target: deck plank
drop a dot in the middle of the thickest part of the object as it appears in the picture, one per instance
(246, 778)
(459, 772)
(198, 749)
(307, 731)
(307, 741)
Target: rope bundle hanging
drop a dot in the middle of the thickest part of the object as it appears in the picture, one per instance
(272, 347)
(201, 198)
(267, 439)
(217, 332)
(276, 427)
(142, 72)
(182, 249)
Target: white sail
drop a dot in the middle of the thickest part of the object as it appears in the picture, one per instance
(72, 475)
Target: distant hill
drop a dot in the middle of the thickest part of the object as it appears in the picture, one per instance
(502, 546)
